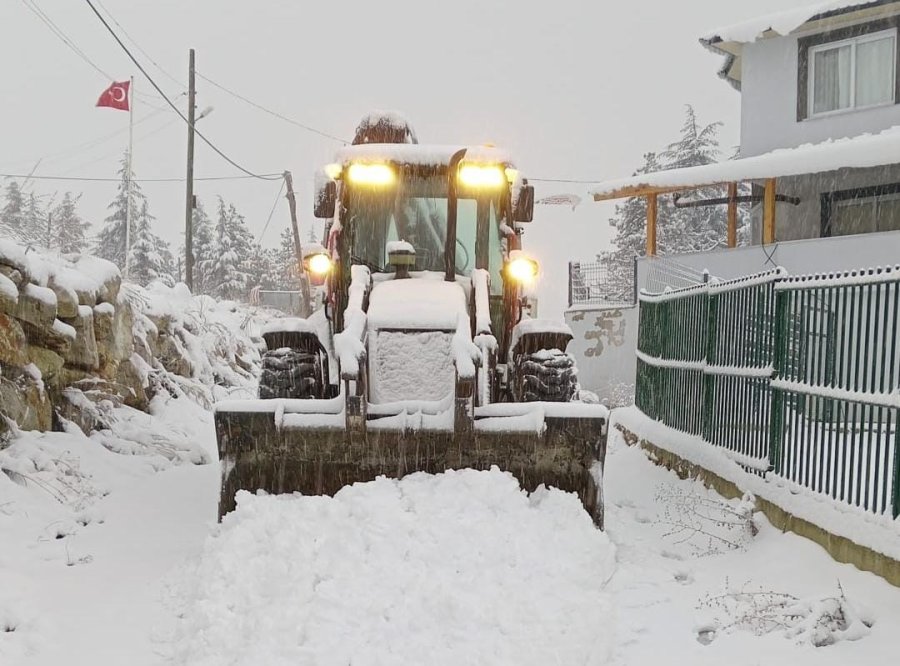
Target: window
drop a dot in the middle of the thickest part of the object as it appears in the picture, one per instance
(852, 74)
(861, 211)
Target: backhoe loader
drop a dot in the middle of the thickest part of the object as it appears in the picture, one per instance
(422, 355)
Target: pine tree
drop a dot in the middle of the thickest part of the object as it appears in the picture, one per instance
(68, 229)
(144, 262)
(168, 274)
(201, 248)
(679, 230)
(224, 269)
(286, 262)
(12, 217)
(704, 227)
(110, 241)
(34, 223)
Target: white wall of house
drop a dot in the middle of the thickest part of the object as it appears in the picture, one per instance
(604, 348)
(769, 103)
(801, 257)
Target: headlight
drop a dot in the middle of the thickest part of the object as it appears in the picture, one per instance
(319, 264)
(476, 175)
(371, 174)
(333, 171)
(522, 269)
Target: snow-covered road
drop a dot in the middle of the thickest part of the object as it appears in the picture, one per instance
(453, 569)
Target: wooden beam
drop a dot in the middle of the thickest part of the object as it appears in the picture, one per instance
(646, 190)
(769, 212)
(732, 214)
(651, 224)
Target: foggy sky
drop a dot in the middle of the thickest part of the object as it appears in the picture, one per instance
(574, 89)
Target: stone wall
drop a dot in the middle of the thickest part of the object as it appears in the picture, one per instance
(72, 344)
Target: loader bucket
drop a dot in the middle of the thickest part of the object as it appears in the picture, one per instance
(282, 446)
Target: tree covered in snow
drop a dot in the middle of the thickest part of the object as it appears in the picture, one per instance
(68, 227)
(35, 228)
(285, 260)
(679, 230)
(226, 268)
(110, 241)
(202, 237)
(144, 261)
(12, 216)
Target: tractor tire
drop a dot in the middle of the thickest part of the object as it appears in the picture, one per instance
(548, 375)
(290, 373)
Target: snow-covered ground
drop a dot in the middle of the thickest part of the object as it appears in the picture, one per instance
(130, 567)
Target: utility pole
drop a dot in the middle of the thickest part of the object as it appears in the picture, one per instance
(189, 183)
(298, 250)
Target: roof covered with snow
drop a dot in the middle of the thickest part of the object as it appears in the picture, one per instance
(729, 40)
(419, 154)
(867, 150)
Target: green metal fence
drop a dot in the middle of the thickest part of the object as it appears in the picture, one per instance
(793, 376)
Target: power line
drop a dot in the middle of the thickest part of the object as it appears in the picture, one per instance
(55, 29)
(269, 176)
(270, 112)
(271, 212)
(58, 32)
(170, 103)
(138, 47)
(94, 160)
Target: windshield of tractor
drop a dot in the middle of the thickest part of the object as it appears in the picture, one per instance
(414, 209)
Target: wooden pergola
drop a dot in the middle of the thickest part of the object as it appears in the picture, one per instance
(652, 194)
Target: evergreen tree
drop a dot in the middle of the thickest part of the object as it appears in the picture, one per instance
(68, 229)
(285, 261)
(228, 279)
(144, 262)
(705, 227)
(169, 272)
(679, 230)
(110, 241)
(34, 223)
(12, 216)
(201, 248)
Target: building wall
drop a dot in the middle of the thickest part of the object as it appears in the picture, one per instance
(797, 257)
(604, 348)
(804, 221)
(769, 103)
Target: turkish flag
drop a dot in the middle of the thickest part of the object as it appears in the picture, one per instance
(116, 96)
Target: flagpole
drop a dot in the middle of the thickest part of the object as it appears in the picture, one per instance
(128, 175)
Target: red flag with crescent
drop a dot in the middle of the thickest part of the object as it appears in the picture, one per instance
(116, 96)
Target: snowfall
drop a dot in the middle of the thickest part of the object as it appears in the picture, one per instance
(111, 554)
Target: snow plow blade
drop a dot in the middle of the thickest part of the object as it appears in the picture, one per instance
(281, 446)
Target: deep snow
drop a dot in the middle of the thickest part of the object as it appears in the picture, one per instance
(449, 563)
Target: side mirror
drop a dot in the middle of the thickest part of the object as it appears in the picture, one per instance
(524, 211)
(326, 196)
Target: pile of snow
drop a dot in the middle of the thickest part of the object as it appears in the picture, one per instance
(457, 568)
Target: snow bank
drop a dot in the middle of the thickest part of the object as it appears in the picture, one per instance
(458, 568)
(878, 532)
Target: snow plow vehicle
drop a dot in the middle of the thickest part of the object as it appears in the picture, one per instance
(422, 356)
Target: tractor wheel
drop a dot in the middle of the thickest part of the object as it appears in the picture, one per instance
(548, 375)
(290, 373)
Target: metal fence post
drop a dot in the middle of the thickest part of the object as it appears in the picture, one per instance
(776, 433)
(709, 379)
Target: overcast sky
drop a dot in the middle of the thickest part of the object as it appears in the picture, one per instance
(575, 89)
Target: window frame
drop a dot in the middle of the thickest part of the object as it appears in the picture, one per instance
(853, 43)
(828, 201)
(851, 35)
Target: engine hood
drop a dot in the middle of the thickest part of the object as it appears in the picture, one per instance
(418, 303)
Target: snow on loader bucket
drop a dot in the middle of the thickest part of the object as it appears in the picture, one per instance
(280, 446)
(422, 356)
